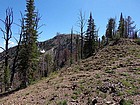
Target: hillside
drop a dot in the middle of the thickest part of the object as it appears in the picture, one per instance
(57, 50)
(110, 77)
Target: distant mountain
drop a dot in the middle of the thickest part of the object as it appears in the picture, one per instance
(54, 54)
(59, 47)
(62, 41)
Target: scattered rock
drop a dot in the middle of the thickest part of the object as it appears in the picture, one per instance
(74, 101)
(121, 65)
(74, 86)
(53, 98)
(94, 101)
(122, 101)
(112, 89)
(109, 102)
(103, 89)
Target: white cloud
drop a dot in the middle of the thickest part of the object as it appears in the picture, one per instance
(1, 50)
(10, 43)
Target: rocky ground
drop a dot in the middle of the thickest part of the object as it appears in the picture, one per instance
(111, 77)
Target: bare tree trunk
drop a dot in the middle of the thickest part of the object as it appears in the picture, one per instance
(81, 23)
(7, 36)
(77, 48)
(17, 52)
(71, 59)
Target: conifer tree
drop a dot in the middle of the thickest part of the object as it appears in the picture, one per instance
(121, 26)
(29, 51)
(103, 41)
(110, 31)
(90, 38)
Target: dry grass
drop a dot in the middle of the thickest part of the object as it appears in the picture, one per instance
(111, 75)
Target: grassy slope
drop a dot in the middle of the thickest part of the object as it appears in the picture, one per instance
(109, 76)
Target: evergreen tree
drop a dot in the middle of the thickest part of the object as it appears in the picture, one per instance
(110, 31)
(90, 38)
(29, 51)
(103, 41)
(121, 26)
(48, 60)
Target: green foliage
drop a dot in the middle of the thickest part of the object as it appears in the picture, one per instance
(121, 27)
(137, 41)
(77, 92)
(91, 39)
(110, 31)
(126, 83)
(48, 58)
(89, 101)
(7, 76)
(132, 91)
(116, 37)
(28, 55)
(74, 97)
(126, 102)
(64, 102)
(76, 68)
(109, 70)
(120, 93)
(103, 41)
(97, 76)
(124, 74)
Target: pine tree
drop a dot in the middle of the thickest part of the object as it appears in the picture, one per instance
(90, 38)
(103, 41)
(29, 51)
(110, 31)
(121, 26)
(48, 60)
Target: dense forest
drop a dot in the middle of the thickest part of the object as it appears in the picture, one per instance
(31, 60)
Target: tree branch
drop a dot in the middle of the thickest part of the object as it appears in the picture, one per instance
(2, 48)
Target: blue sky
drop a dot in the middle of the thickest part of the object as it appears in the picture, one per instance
(61, 15)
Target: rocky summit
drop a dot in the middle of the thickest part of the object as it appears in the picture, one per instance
(110, 77)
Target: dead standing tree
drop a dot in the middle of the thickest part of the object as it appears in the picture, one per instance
(15, 60)
(81, 24)
(7, 35)
(71, 49)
